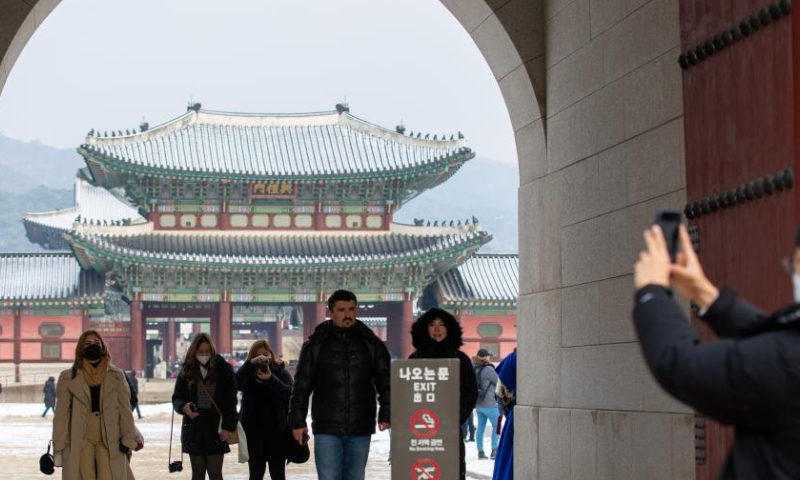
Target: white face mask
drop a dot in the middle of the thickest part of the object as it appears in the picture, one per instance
(796, 283)
(203, 359)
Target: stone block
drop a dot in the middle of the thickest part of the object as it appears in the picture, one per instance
(652, 446)
(42, 9)
(575, 77)
(653, 94)
(633, 5)
(3, 75)
(612, 180)
(642, 36)
(683, 466)
(523, 20)
(13, 13)
(604, 14)
(672, 85)
(579, 192)
(579, 315)
(540, 234)
(496, 4)
(536, 73)
(615, 310)
(583, 251)
(621, 252)
(605, 377)
(655, 162)
(583, 426)
(554, 444)
(586, 128)
(554, 7)
(531, 152)
(540, 330)
(526, 442)
(614, 446)
(567, 31)
(470, 13)
(496, 46)
(521, 101)
(655, 399)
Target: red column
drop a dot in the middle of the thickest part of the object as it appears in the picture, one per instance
(224, 328)
(169, 346)
(398, 329)
(275, 336)
(313, 315)
(138, 340)
(84, 320)
(17, 343)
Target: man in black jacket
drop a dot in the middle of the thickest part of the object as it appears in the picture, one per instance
(344, 364)
(749, 378)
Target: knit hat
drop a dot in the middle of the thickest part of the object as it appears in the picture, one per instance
(484, 353)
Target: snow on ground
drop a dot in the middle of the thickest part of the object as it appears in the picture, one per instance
(24, 436)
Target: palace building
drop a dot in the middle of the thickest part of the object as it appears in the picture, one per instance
(246, 222)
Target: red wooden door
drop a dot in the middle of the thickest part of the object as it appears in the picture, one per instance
(741, 99)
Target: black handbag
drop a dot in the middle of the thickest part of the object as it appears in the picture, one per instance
(296, 453)
(47, 464)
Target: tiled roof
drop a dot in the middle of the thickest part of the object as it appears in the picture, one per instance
(93, 204)
(320, 144)
(484, 278)
(283, 248)
(47, 276)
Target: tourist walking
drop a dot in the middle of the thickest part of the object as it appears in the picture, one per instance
(49, 394)
(93, 428)
(133, 383)
(205, 383)
(346, 366)
(437, 334)
(486, 408)
(266, 387)
(506, 392)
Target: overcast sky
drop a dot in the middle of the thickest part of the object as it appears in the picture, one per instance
(108, 64)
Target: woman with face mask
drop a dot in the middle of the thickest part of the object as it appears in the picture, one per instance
(205, 382)
(93, 428)
(266, 387)
(437, 334)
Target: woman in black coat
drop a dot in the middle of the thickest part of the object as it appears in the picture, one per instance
(205, 376)
(49, 392)
(437, 334)
(266, 387)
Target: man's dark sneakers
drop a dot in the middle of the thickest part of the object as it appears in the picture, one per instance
(481, 456)
(493, 455)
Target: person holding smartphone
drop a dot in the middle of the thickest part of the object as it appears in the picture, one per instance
(205, 387)
(266, 387)
(749, 378)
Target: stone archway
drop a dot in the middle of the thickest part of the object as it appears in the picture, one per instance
(594, 96)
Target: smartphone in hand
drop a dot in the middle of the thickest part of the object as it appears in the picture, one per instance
(670, 222)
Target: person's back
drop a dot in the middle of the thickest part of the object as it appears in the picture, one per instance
(749, 378)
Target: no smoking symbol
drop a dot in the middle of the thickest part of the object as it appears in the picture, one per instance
(425, 469)
(424, 424)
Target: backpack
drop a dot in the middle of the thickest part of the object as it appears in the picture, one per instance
(482, 393)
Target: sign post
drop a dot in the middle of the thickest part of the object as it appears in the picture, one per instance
(426, 434)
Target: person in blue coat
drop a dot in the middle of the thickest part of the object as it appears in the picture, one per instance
(504, 463)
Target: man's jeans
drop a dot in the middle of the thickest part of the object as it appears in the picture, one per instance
(340, 457)
(487, 413)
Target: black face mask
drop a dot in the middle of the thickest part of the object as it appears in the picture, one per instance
(93, 352)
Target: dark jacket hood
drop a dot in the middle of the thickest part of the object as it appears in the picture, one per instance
(422, 341)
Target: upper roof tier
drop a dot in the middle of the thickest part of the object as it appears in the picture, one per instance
(327, 145)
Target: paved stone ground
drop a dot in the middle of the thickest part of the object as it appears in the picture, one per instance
(24, 436)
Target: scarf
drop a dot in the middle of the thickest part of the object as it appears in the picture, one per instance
(94, 376)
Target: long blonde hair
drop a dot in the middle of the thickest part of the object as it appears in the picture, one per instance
(274, 361)
(77, 364)
(191, 367)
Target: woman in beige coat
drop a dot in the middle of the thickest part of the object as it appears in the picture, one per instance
(93, 428)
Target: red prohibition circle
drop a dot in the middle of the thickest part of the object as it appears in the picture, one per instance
(425, 469)
(421, 423)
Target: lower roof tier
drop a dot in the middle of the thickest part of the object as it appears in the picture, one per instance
(49, 278)
(485, 279)
(402, 244)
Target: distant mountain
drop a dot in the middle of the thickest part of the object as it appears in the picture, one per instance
(25, 165)
(484, 188)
